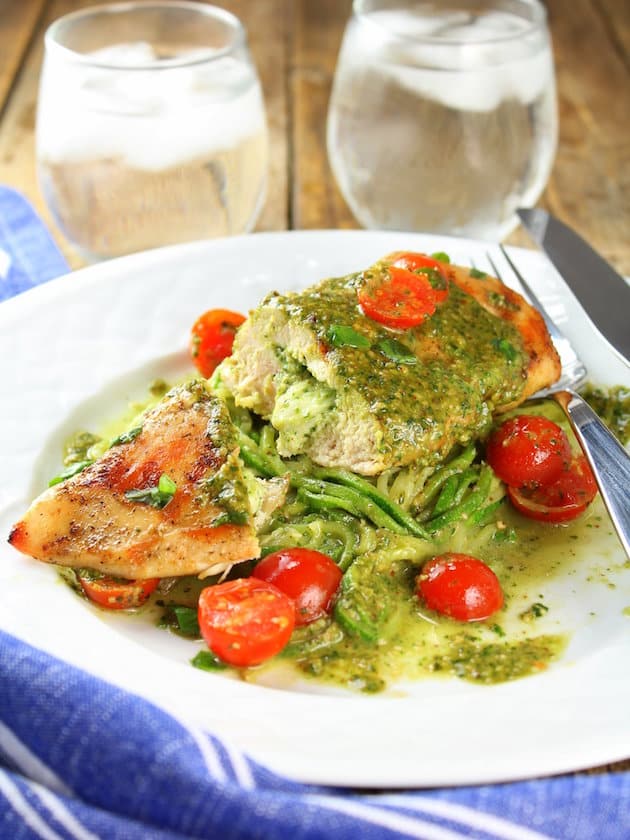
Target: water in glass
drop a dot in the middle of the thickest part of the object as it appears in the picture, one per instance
(443, 115)
(140, 145)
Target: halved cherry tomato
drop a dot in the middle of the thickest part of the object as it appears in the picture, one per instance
(460, 587)
(245, 621)
(309, 577)
(423, 264)
(212, 337)
(563, 499)
(528, 450)
(116, 593)
(399, 298)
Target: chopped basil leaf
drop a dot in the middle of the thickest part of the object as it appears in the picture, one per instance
(127, 437)
(159, 387)
(166, 485)
(536, 610)
(474, 272)
(435, 277)
(504, 535)
(504, 346)
(396, 351)
(157, 497)
(440, 256)
(207, 661)
(73, 469)
(230, 517)
(342, 336)
(187, 620)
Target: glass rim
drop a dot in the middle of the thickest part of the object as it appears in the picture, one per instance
(53, 45)
(538, 20)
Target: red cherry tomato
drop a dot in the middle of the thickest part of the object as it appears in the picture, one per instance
(460, 587)
(245, 621)
(310, 578)
(528, 450)
(401, 299)
(423, 264)
(117, 594)
(212, 337)
(563, 499)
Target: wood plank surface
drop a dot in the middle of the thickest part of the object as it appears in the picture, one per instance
(17, 25)
(295, 47)
(590, 183)
(316, 201)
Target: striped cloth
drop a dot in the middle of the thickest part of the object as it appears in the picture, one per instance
(80, 758)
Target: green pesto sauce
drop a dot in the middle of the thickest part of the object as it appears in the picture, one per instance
(613, 406)
(412, 642)
(468, 362)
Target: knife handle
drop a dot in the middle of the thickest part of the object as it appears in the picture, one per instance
(609, 460)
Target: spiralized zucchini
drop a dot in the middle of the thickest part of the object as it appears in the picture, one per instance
(401, 515)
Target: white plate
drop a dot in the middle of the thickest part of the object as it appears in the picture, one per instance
(74, 351)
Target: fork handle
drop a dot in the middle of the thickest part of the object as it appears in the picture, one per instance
(608, 458)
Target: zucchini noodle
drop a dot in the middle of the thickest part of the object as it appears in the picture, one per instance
(403, 514)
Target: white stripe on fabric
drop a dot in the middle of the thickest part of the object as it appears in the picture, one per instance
(206, 748)
(62, 814)
(22, 807)
(5, 264)
(240, 766)
(480, 820)
(30, 765)
(410, 826)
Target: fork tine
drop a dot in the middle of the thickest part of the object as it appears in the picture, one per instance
(530, 292)
(494, 266)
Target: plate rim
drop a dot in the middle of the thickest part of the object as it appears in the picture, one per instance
(318, 771)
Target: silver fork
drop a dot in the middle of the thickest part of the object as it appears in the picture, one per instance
(609, 460)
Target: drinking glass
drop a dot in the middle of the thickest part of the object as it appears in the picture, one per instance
(150, 126)
(443, 114)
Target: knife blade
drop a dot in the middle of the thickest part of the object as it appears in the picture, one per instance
(604, 294)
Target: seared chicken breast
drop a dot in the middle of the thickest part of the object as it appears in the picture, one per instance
(358, 404)
(168, 499)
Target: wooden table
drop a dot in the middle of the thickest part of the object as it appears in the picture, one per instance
(295, 45)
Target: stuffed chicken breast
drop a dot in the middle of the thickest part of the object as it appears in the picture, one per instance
(369, 392)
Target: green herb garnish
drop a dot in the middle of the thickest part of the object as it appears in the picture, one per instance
(397, 351)
(207, 661)
(504, 535)
(342, 336)
(127, 437)
(474, 272)
(157, 497)
(537, 610)
(187, 620)
(504, 346)
(435, 277)
(440, 256)
(73, 469)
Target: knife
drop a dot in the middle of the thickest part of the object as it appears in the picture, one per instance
(604, 294)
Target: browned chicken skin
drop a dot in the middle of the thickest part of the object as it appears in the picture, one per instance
(88, 521)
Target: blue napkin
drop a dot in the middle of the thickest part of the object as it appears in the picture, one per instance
(28, 253)
(80, 758)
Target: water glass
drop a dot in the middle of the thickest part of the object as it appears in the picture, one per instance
(150, 126)
(443, 115)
